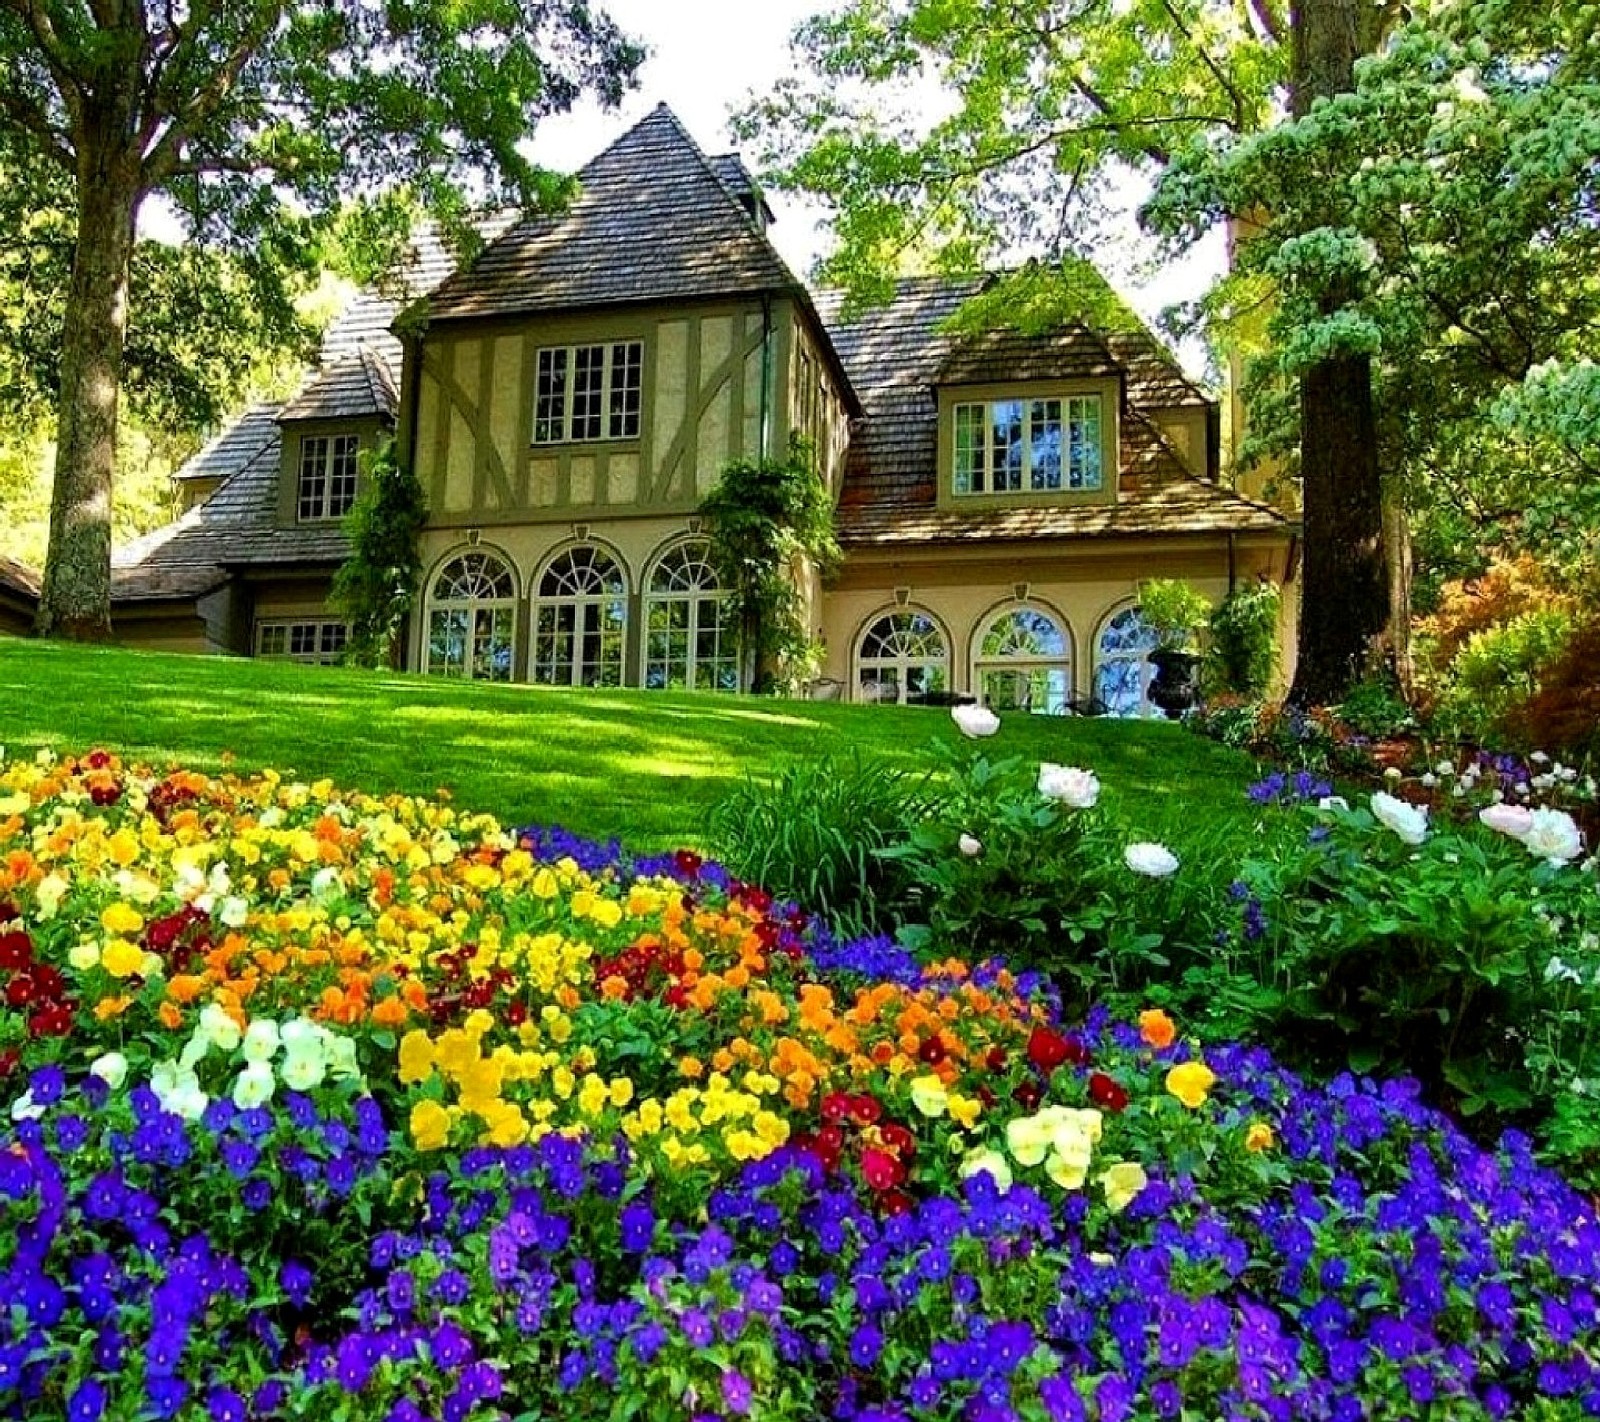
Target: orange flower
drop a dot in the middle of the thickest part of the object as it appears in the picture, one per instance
(391, 1012)
(691, 1067)
(170, 1016)
(614, 988)
(1156, 1028)
(110, 1007)
(185, 987)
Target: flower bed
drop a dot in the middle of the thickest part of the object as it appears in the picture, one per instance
(324, 1105)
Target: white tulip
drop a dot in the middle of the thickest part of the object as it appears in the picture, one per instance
(1154, 861)
(975, 721)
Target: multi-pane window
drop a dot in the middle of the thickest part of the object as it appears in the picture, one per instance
(902, 657)
(580, 623)
(316, 640)
(1024, 663)
(1028, 446)
(472, 616)
(1122, 672)
(588, 392)
(327, 485)
(691, 641)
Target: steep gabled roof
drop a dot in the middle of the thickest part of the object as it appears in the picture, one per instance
(899, 354)
(355, 386)
(19, 578)
(235, 446)
(654, 220)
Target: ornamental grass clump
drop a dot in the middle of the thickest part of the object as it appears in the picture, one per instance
(384, 1112)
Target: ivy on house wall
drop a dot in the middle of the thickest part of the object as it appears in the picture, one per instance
(377, 585)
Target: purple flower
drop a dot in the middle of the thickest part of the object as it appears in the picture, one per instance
(736, 1392)
(87, 1403)
(225, 1405)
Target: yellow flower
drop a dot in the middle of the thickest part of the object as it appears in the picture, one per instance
(416, 1058)
(621, 1092)
(1122, 1182)
(1259, 1137)
(544, 885)
(593, 1096)
(121, 958)
(1068, 1170)
(929, 1096)
(430, 1125)
(965, 1110)
(1191, 1083)
(1028, 1138)
(123, 847)
(121, 918)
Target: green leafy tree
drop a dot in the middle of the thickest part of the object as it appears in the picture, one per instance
(770, 525)
(254, 118)
(376, 586)
(1050, 105)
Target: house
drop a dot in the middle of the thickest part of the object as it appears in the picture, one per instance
(569, 398)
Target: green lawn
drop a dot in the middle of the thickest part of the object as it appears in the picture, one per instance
(642, 766)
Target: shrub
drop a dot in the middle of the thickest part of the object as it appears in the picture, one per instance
(1174, 610)
(1498, 671)
(813, 836)
(1374, 708)
(1244, 638)
(1564, 713)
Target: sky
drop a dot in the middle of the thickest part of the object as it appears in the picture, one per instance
(707, 56)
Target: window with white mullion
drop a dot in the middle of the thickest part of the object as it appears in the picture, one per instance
(1019, 446)
(587, 393)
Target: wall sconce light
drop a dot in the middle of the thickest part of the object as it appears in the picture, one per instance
(580, 531)
(474, 536)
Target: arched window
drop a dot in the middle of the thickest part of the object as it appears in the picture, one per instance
(1024, 662)
(472, 617)
(902, 657)
(1122, 669)
(690, 638)
(580, 619)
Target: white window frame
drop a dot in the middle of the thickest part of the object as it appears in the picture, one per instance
(1140, 658)
(329, 636)
(1023, 664)
(473, 609)
(902, 663)
(707, 609)
(590, 609)
(617, 423)
(330, 450)
(1085, 474)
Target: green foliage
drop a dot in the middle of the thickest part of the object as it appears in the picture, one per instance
(1174, 610)
(1244, 638)
(376, 586)
(1374, 708)
(814, 832)
(1499, 670)
(770, 523)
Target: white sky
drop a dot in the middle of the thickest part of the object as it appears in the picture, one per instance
(706, 56)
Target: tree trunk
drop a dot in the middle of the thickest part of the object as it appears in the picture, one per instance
(1344, 588)
(76, 598)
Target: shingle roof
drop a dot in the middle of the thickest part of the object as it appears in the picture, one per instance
(353, 386)
(898, 354)
(653, 221)
(236, 446)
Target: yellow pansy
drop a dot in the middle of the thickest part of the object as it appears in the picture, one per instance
(1191, 1083)
(1259, 1137)
(416, 1058)
(929, 1096)
(1122, 1182)
(121, 958)
(430, 1125)
(122, 919)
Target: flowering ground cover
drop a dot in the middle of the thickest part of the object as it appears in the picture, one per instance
(321, 1104)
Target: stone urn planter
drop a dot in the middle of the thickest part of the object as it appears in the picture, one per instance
(1176, 685)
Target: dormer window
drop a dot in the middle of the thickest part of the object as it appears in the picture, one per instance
(1021, 446)
(588, 392)
(326, 487)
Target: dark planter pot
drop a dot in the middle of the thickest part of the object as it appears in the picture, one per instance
(1176, 686)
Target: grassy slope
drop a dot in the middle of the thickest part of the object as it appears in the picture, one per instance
(642, 766)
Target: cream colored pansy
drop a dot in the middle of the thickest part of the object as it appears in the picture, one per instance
(989, 1161)
(261, 1040)
(111, 1068)
(929, 1096)
(84, 956)
(219, 1028)
(1122, 1183)
(255, 1086)
(178, 1090)
(49, 894)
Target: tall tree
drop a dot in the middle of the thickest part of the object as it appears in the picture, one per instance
(1049, 103)
(250, 115)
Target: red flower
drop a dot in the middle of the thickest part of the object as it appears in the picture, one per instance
(55, 1021)
(898, 1139)
(835, 1106)
(880, 1169)
(932, 1051)
(99, 759)
(865, 1110)
(1047, 1050)
(996, 1059)
(687, 863)
(1028, 1095)
(895, 1202)
(16, 951)
(1103, 1091)
(19, 992)
(8, 1062)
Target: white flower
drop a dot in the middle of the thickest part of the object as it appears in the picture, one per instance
(1553, 835)
(969, 846)
(1075, 788)
(111, 1068)
(178, 1090)
(47, 897)
(221, 1029)
(1514, 820)
(300, 1035)
(235, 912)
(325, 883)
(1333, 802)
(261, 1040)
(303, 1070)
(25, 1108)
(1444, 768)
(1155, 861)
(975, 721)
(254, 1087)
(1428, 780)
(990, 1161)
(194, 1050)
(341, 1057)
(84, 956)
(1392, 773)
(1539, 758)
(1410, 822)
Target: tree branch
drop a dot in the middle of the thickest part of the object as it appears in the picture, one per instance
(1271, 26)
(1217, 72)
(57, 60)
(30, 114)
